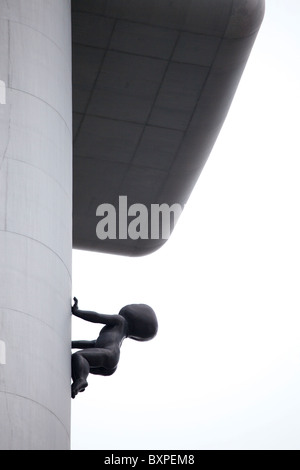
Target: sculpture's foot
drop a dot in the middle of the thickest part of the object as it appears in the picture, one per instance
(78, 386)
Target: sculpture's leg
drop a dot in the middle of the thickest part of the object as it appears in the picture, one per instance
(100, 361)
(80, 372)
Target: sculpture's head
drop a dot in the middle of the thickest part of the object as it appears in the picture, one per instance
(141, 321)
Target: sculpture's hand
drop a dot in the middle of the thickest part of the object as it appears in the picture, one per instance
(75, 306)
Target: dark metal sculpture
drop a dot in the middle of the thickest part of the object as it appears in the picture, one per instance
(101, 356)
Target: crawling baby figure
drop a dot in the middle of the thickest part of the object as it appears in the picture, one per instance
(101, 356)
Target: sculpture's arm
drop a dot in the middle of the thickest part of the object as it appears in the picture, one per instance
(93, 317)
(82, 344)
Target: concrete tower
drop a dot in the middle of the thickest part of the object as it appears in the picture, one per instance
(35, 223)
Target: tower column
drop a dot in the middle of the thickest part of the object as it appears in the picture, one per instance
(35, 223)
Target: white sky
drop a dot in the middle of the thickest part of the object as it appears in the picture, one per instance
(224, 369)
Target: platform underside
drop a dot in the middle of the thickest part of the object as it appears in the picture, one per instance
(152, 84)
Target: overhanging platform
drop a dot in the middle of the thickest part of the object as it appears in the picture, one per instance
(153, 81)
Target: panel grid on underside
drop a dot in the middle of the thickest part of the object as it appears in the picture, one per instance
(126, 79)
(164, 91)
(152, 83)
(199, 16)
(135, 108)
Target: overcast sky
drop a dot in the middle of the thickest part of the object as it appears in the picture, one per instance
(224, 369)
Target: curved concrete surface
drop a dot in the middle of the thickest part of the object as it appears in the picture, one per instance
(152, 84)
(35, 224)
